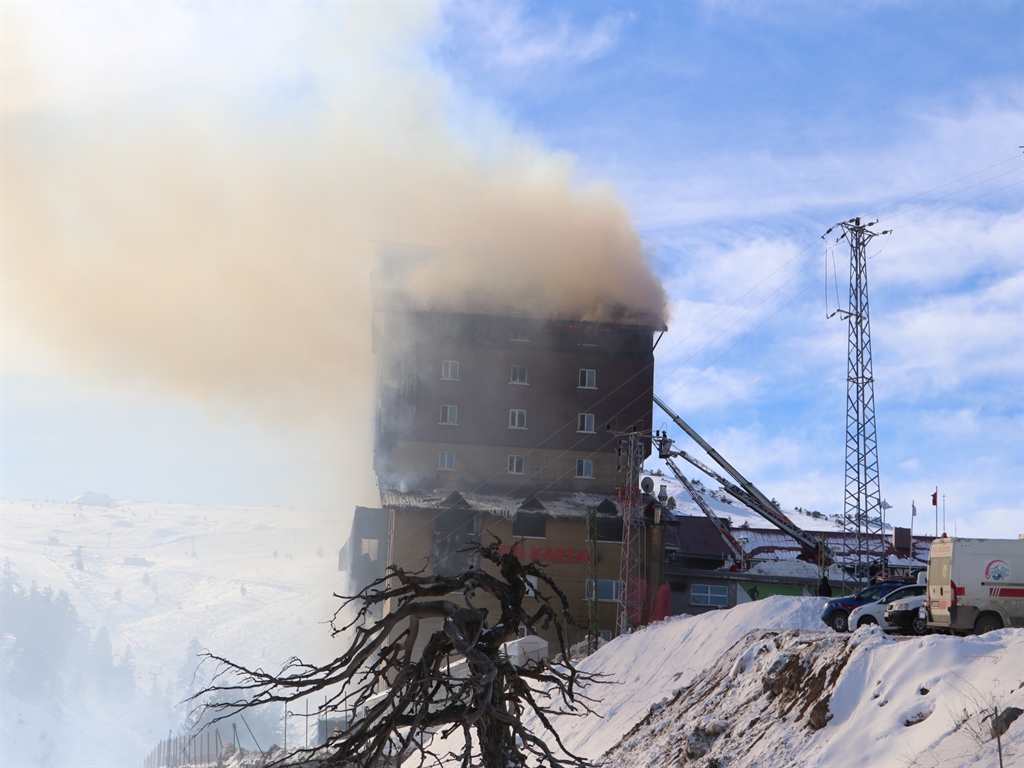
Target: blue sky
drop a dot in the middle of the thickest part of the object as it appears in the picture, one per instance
(735, 134)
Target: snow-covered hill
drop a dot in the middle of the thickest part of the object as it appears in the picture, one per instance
(252, 584)
(727, 507)
(741, 687)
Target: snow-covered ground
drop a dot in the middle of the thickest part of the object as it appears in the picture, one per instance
(740, 688)
(888, 701)
(252, 584)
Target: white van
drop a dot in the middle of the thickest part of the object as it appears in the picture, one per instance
(975, 585)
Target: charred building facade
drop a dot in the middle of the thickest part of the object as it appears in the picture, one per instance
(509, 405)
(503, 426)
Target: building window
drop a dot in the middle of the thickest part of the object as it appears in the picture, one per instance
(515, 465)
(518, 374)
(520, 334)
(532, 587)
(707, 594)
(609, 528)
(450, 370)
(606, 635)
(588, 378)
(446, 460)
(526, 525)
(516, 419)
(585, 422)
(449, 414)
(608, 590)
(370, 548)
(585, 468)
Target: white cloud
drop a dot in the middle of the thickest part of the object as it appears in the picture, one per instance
(507, 35)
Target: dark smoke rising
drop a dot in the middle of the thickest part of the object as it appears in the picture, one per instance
(193, 197)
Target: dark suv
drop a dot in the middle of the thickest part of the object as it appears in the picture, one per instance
(837, 610)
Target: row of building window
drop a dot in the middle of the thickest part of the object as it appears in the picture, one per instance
(516, 419)
(517, 464)
(610, 590)
(518, 374)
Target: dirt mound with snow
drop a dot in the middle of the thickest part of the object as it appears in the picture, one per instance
(817, 698)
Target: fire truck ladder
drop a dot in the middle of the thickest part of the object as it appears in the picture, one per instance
(739, 554)
(747, 493)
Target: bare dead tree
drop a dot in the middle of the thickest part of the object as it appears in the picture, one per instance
(394, 700)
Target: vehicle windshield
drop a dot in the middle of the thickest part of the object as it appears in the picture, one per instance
(871, 593)
(904, 592)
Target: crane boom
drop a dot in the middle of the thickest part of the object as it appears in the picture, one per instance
(749, 494)
(737, 549)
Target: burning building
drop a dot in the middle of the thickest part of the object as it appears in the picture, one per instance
(504, 424)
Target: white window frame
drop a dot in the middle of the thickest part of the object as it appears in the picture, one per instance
(513, 418)
(514, 375)
(582, 465)
(589, 377)
(532, 586)
(446, 370)
(449, 415)
(514, 460)
(616, 590)
(443, 461)
(582, 419)
(712, 595)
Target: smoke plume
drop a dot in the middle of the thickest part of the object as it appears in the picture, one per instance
(193, 197)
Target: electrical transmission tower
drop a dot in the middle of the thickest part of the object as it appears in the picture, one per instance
(863, 516)
(631, 596)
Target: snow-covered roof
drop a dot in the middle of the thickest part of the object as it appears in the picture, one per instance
(565, 505)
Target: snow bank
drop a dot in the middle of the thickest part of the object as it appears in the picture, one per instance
(822, 699)
(647, 667)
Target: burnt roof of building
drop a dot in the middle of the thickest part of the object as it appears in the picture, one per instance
(606, 316)
(565, 505)
(532, 504)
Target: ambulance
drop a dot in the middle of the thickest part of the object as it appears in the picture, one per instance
(975, 585)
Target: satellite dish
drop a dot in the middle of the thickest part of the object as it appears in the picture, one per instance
(647, 485)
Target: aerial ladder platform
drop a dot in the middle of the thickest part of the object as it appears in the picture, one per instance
(813, 549)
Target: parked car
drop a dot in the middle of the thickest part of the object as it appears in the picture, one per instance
(904, 613)
(975, 585)
(837, 610)
(874, 612)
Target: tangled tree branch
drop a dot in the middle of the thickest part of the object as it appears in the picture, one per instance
(394, 697)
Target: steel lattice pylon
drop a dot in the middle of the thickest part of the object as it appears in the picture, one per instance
(863, 518)
(631, 590)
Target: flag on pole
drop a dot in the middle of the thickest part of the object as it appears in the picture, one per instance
(913, 509)
(935, 499)
(886, 504)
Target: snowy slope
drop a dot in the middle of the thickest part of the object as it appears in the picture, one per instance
(821, 699)
(252, 584)
(648, 666)
(739, 687)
